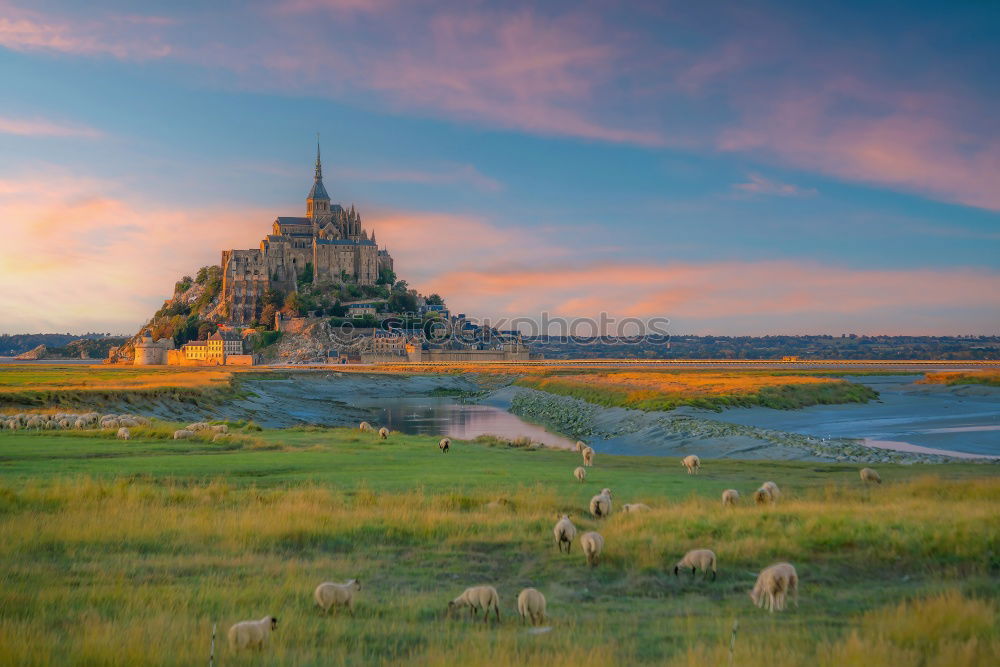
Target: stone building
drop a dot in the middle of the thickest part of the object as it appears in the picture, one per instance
(151, 353)
(328, 242)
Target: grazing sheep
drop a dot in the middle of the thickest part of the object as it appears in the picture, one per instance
(869, 475)
(252, 634)
(772, 488)
(182, 433)
(635, 507)
(329, 595)
(34, 422)
(383, 433)
(531, 606)
(51, 424)
(592, 544)
(580, 473)
(600, 505)
(145, 421)
(109, 423)
(588, 456)
(564, 531)
(444, 444)
(124, 433)
(220, 428)
(476, 598)
(65, 423)
(692, 463)
(198, 426)
(773, 586)
(80, 423)
(219, 437)
(128, 421)
(695, 559)
(365, 427)
(763, 496)
(730, 497)
(579, 446)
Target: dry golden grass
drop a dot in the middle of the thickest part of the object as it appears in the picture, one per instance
(986, 377)
(640, 385)
(18, 378)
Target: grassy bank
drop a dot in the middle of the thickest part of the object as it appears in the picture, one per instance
(127, 552)
(712, 391)
(76, 385)
(989, 378)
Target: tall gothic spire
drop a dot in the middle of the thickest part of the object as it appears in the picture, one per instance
(319, 163)
(318, 191)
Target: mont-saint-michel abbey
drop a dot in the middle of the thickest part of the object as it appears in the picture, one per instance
(327, 241)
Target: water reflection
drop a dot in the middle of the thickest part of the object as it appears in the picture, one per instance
(442, 416)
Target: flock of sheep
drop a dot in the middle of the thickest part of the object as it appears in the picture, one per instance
(773, 586)
(65, 421)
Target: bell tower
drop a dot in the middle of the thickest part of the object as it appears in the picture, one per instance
(318, 201)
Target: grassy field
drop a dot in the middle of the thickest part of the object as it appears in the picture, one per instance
(647, 390)
(127, 552)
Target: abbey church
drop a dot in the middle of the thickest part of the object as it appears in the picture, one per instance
(328, 242)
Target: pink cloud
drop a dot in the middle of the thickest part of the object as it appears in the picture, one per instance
(117, 36)
(516, 70)
(859, 132)
(77, 254)
(759, 185)
(40, 127)
(734, 292)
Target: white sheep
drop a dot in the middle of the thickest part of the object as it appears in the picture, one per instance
(703, 559)
(198, 426)
(252, 634)
(592, 544)
(444, 444)
(65, 423)
(182, 433)
(34, 422)
(588, 456)
(869, 475)
(109, 423)
(773, 586)
(330, 594)
(142, 421)
(762, 496)
(531, 606)
(692, 463)
(730, 497)
(565, 532)
(128, 421)
(772, 488)
(600, 505)
(579, 446)
(476, 598)
(124, 433)
(383, 433)
(80, 423)
(219, 428)
(365, 427)
(580, 473)
(635, 507)
(220, 437)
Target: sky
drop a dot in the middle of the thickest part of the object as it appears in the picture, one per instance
(738, 168)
